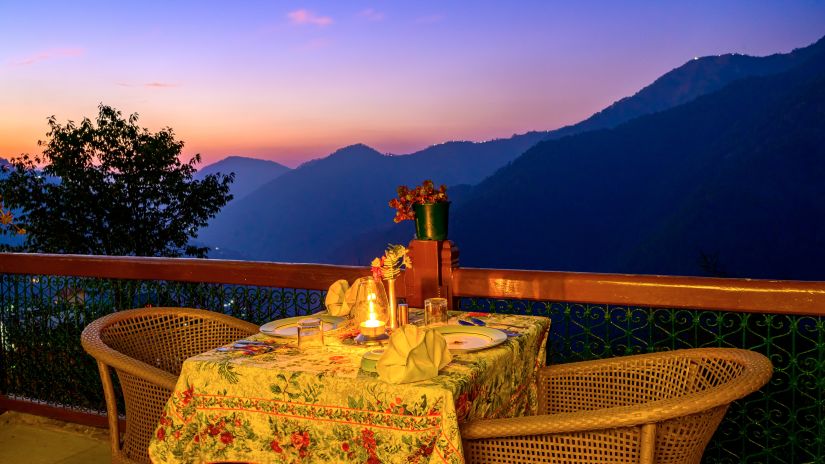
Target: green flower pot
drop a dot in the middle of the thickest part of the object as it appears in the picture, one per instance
(431, 220)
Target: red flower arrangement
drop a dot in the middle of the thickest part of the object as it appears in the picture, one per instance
(421, 195)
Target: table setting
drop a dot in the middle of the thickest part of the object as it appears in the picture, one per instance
(367, 380)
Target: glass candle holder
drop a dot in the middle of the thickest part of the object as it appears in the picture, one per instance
(435, 311)
(370, 311)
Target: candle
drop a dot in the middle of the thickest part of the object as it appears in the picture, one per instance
(372, 327)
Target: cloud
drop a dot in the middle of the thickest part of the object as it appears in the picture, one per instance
(430, 19)
(159, 85)
(371, 15)
(308, 17)
(50, 54)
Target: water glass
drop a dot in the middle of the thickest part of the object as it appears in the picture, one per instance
(310, 333)
(435, 311)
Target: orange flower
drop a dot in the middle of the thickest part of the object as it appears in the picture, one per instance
(423, 194)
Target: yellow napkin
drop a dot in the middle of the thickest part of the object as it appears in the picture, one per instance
(336, 300)
(413, 354)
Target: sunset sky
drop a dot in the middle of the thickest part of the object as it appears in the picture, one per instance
(290, 81)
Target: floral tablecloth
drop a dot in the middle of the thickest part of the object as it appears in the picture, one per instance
(317, 405)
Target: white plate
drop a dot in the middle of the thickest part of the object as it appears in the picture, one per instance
(470, 338)
(289, 327)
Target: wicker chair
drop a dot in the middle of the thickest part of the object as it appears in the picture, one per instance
(146, 347)
(659, 407)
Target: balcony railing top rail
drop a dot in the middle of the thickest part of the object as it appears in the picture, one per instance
(747, 295)
(265, 274)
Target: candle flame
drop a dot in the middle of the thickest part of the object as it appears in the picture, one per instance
(371, 298)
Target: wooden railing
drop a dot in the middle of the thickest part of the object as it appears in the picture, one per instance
(442, 274)
(265, 274)
(744, 295)
(690, 301)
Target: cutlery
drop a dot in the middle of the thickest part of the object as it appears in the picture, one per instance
(479, 322)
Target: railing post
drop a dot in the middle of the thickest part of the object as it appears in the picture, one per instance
(432, 271)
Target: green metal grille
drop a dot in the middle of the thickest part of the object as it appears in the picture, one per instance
(784, 422)
(41, 318)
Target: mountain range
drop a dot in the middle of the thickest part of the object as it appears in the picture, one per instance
(629, 189)
(307, 213)
(728, 184)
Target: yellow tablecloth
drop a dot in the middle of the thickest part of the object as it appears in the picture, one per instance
(318, 406)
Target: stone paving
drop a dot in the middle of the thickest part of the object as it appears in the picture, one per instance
(27, 439)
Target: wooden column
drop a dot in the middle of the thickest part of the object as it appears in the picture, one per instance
(432, 271)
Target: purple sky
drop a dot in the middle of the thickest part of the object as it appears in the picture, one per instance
(290, 81)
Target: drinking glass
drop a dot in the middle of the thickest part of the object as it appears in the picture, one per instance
(435, 311)
(310, 333)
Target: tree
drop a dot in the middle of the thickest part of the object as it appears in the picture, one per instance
(112, 188)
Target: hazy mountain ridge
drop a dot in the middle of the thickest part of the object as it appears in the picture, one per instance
(308, 213)
(250, 173)
(733, 176)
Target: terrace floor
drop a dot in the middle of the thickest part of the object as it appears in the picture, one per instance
(28, 439)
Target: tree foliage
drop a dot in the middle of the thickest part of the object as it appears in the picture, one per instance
(111, 187)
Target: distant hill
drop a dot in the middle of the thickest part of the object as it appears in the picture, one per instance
(310, 212)
(727, 184)
(693, 79)
(250, 173)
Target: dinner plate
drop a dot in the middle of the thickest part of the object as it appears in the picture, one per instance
(289, 327)
(467, 338)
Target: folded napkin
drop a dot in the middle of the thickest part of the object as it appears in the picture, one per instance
(340, 298)
(413, 354)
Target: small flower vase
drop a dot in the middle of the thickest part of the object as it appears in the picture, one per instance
(431, 220)
(392, 306)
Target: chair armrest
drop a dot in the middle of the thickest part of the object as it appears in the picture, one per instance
(91, 342)
(569, 422)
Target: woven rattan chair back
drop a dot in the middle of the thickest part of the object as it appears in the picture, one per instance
(660, 407)
(146, 348)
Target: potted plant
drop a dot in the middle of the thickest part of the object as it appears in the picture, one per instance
(426, 205)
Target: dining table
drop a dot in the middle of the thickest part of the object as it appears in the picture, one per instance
(265, 400)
